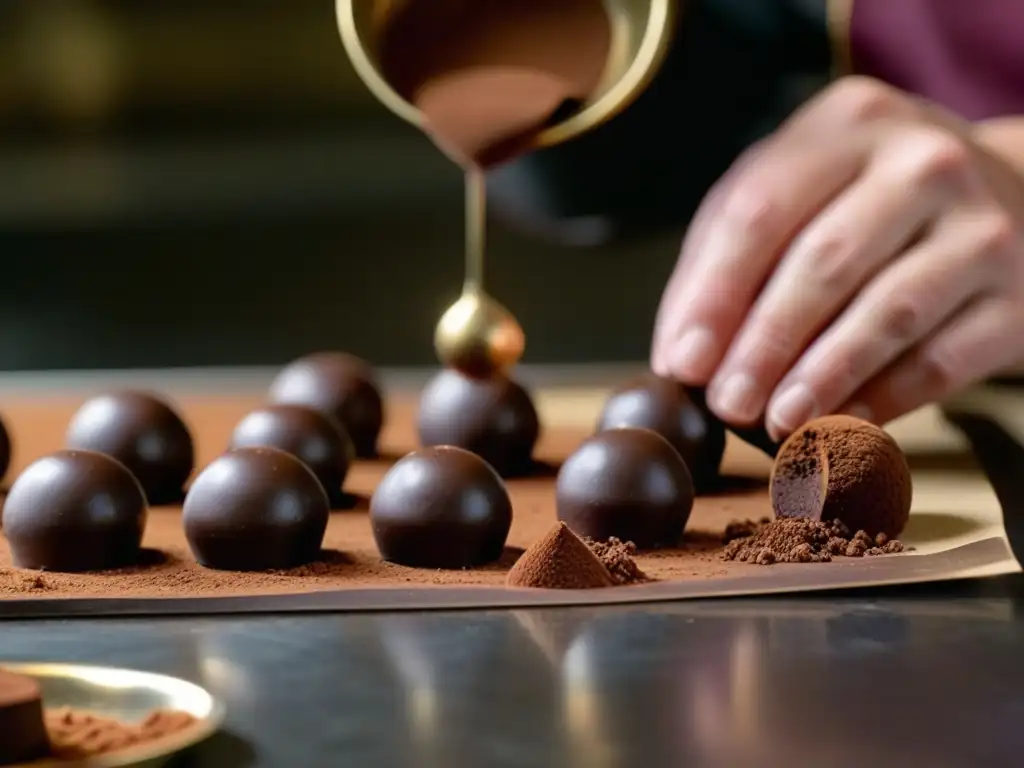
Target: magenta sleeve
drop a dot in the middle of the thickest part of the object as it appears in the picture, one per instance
(965, 54)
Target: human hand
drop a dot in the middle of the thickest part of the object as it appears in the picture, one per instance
(867, 258)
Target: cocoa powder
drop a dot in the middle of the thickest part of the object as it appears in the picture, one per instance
(618, 558)
(799, 540)
(560, 560)
(487, 74)
(78, 735)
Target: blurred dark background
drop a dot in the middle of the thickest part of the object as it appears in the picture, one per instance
(190, 182)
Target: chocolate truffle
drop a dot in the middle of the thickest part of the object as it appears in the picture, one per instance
(494, 418)
(75, 511)
(341, 386)
(843, 468)
(23, 736)
(313, 437)
(441, 507)
(665, 406)
(628, 483)
(559, 561)
(143, 433)
(255, 509)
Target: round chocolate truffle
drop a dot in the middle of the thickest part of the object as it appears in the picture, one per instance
(494, 418)
(628, 483)
(341, 386)
(841, 467)
(5, 449)
(665, 406)
(75, 511)
(441, 507)
(255, 509)
(142, 432)
(313, 437)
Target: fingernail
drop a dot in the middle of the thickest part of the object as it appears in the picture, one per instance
(860, 411)
(691, 356)
(795, 406)
(736, 399)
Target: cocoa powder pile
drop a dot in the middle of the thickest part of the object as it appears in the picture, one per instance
(799, 540)
(618, 558)
(560, 560)
(77, 735)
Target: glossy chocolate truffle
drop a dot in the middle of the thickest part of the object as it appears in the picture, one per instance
(313, 437)
(628, 483)
(143, 433)
(340, 385)
(255, 509)
(75, 511)
(843, 468)
(23, 735)
(665, 406)
(494, 418)
(441, 507)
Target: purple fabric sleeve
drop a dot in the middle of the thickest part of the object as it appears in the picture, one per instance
(965, 54)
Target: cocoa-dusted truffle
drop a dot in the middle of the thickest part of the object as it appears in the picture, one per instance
(23, 736)
(340, 385)
(142, 432)
(665, 406)
(441, 507)
(843, 468)
(494, 418)
(311, 436)
(560, 560)
(255, 509)
(75, 511)
(627, 483)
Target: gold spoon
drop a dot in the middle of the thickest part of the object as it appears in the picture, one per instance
(477, 335)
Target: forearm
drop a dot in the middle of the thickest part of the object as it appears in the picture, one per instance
(1005, 137)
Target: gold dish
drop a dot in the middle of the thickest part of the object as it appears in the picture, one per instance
(129, 696)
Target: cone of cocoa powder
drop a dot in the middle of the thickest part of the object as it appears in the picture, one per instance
(560, 560)
(841, 467)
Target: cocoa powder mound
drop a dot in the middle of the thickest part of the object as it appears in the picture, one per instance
(77, 735)
(799, 540)
(618, 558)
(560, 560)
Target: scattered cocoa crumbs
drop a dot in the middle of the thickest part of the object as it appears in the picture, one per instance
(739, 529)
(77, 735)
(799, 540)
(617, 556)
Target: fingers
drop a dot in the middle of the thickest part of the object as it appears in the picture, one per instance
(827, 263)
(731, 253)
(973, 345)
(905, 303)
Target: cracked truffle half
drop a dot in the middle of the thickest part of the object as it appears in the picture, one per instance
(494, 418)
(840, 467)
(665, 406)
(627, 483)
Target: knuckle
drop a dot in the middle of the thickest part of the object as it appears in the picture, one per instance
(936, 370)
(754, 213)
(942, 157)
(863, 99)
(900, 319)
(832, 263)
(997, 236)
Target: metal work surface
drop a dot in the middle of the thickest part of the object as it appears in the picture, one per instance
(926, 677)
